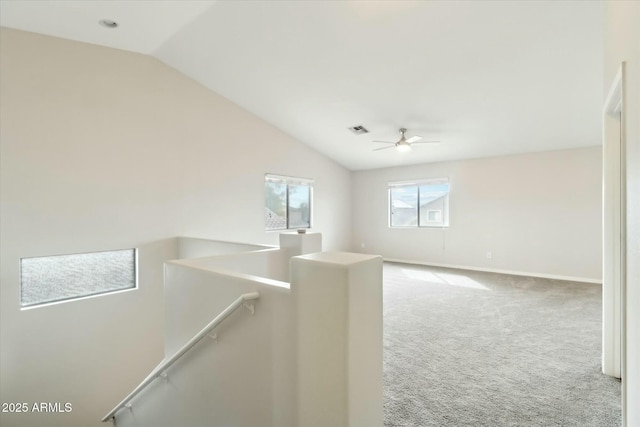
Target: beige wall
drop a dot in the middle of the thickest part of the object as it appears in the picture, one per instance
(536, 213)
(622, 43)
(106, 149)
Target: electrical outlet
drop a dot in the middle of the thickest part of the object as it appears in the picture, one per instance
(362, 245)
(489, 255)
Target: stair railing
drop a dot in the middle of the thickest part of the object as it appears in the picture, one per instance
(159, 371)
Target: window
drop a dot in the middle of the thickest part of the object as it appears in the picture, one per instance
(66, 277)
(419, 204)
(434, 216)
(287, 202)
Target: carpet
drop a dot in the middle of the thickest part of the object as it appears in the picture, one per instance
(465, 348)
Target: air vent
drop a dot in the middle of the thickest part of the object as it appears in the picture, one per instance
(108, 23)
(358, 130)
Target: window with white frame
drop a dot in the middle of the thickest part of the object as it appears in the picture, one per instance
(434, 216)
(423, 203)
(288, 202)
(57, 278)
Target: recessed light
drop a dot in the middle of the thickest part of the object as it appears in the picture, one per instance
(108, 23)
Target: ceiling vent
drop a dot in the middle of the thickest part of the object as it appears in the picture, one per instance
(358, 130)
(108, 23)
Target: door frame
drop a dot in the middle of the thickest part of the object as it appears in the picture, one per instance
(614, 252)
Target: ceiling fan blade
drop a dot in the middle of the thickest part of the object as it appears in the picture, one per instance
(414, 139)
(426, 142)
(384, 142)
(383, 148)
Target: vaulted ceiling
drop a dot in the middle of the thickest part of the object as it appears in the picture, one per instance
(485, 78)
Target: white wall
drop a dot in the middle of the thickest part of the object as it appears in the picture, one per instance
(311, 355)
(537, 214)
(338, 306)
(193, 247)
(106, 149)
(263, 261)
(622, 43)
(246, 378)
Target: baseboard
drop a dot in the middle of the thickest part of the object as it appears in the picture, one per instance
(495, 270)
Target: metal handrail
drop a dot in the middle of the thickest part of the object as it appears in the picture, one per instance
(159, 370)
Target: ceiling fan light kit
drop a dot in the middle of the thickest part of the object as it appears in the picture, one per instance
(403, 146)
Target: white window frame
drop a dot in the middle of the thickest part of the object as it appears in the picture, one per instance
(291, 180)
(418, 183)
(434, 211)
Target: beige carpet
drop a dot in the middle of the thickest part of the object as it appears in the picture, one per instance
(478, 349)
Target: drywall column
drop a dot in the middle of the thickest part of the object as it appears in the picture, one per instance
(301, 243)
(338, 314)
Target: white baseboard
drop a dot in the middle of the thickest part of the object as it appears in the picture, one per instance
(495, 270)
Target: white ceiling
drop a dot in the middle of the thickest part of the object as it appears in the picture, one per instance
(485, 78)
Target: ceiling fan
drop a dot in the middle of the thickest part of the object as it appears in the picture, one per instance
(404, 144)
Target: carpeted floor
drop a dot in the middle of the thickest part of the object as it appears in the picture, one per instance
(467, 348)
